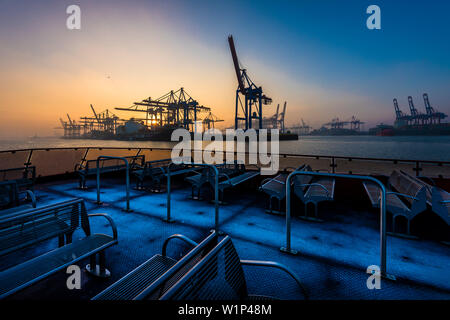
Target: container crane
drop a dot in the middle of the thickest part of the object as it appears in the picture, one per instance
(253, 95)
(432, 115)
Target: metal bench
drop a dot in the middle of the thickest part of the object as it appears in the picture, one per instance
(441, 203)
(220, 276)
(314, 191)
(155, 171)
(89, 167)
(25, 177)
(400, 186)
(437, 198)
(206, 175)
(231, 182)
(11, 196)
(152, 278)
(276, 189)
(19, 231)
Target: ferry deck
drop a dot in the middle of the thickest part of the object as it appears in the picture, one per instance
(333, 255)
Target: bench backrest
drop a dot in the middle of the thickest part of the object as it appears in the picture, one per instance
(300, 180)
(427, 186)
(22, 229)
(218, 276)
(164, 163)
(113, 162)
(24, 176)
(439, 205)
(174, 274)
(9, 194)
(404, 184)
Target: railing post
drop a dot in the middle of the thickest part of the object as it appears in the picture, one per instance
(216, 198)
(216, 193)
(168, 218)
(98, 180)
(127, 168)
(288, 248)
(383, 247)
(127, 180)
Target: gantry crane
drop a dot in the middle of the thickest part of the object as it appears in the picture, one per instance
(433, 116)
(253, 95)
(175, 109)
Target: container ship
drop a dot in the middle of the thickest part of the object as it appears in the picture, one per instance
(416, 123)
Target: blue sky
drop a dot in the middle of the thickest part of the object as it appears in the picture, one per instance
(317, 55)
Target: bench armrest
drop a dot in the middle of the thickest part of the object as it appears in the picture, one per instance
(177, 236)
(270, 179)
(226, 176)
(272, 264)
(317, 185)
(110, 220)
(32, 197)
(402, 194)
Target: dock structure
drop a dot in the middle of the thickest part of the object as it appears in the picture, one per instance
(176, 109)
(416, 118)
(253, 96)
(173, 110)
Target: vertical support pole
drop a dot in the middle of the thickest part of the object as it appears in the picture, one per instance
(246, 113)
(260, 112)
(98, 182)
(27, 164)
(127, 168)
(250, 117)
(168, 218)
(288, 248)
(236, 113)
(216, 198)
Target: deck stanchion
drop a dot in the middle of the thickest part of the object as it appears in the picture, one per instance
(216, 193)
(168, 218)
(127, 179)
(288, 249)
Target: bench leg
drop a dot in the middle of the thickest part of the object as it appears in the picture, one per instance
(394, 232)
(61, 241)
(271, 210)
(69, 238)
(82, 183)
(316, 214)
(98, 270)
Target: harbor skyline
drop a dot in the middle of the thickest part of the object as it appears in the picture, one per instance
(324, 68)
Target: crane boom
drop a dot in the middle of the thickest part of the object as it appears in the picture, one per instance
(236, 64)
(95, 113)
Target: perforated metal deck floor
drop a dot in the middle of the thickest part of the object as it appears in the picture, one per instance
(333, 255)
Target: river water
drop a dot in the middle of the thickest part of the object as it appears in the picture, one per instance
(401, 147)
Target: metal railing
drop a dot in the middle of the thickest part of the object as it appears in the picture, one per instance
(127, 168)
(216, 191)
(288, 249)
(34, 156)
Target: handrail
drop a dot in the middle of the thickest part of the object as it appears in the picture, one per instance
(177, 236)
(417, 165)
(439, 162)
(288, 248)
(127, 178)
(277, 265)
(216, 190)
